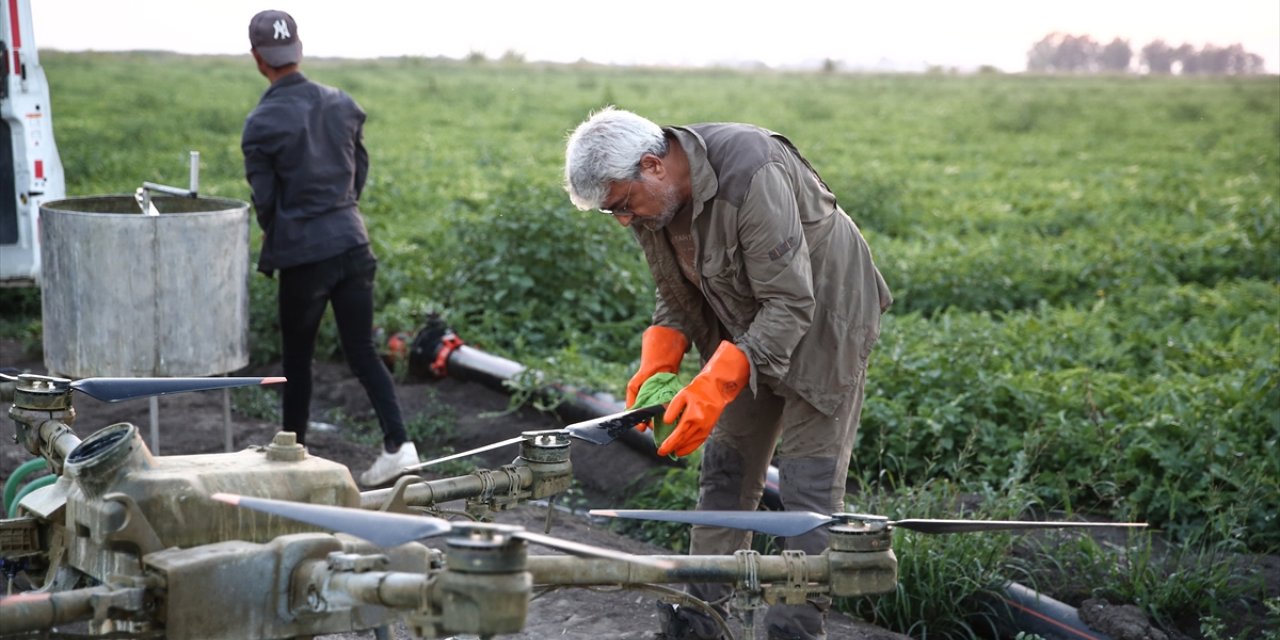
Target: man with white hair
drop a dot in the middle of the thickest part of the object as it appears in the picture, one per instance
(757, 266)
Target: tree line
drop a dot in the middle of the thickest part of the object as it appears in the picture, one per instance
(1066, 53)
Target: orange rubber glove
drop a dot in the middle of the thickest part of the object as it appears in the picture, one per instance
(700, 404)
(661, 350)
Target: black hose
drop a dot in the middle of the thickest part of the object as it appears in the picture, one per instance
(1032, 612)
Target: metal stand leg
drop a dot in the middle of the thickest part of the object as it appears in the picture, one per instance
(155, 425)
(226, 417)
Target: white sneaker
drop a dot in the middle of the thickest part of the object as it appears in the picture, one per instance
(390, 466)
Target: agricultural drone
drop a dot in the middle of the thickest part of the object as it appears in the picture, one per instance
(271, 542)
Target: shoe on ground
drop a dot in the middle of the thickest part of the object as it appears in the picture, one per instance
(389, 466)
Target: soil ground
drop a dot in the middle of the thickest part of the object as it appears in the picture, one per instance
(193, 423)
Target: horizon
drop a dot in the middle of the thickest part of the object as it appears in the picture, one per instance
(967, 37)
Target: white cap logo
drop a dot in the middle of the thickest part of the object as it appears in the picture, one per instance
(282, 30)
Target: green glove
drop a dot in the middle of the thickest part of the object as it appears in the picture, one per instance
(660, 388)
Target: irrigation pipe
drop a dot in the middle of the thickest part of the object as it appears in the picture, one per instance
(1033, 612)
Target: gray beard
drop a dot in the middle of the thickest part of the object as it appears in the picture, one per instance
(670, 205)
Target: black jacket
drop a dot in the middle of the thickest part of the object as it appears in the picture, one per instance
(305, 161)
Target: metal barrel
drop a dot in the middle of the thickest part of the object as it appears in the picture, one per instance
(124, 294)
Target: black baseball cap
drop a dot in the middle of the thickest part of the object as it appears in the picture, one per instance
(274, 35)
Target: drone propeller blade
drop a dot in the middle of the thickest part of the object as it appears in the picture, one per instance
(777, 523)
(606, 429)
(581, 549)
(968, 526)
(487, 447)
(602, 430)
(794, 523)
(117, 389)
(387, 529)
(382, 528)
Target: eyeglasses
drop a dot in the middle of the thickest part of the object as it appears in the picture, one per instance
(625, 208)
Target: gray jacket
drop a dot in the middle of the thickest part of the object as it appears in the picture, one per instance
(785, 274)
(305, 160)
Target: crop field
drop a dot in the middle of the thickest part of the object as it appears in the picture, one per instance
(1086, 269)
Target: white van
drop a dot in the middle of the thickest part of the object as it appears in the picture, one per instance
(30, 169)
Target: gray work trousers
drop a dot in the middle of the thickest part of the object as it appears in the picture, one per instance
(812, 450)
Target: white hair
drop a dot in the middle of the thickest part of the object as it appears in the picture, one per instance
(607, 147)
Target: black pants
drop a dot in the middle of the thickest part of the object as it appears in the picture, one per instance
(346, 281)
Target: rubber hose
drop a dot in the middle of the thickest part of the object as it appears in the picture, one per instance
(11, 485)
(42, 481)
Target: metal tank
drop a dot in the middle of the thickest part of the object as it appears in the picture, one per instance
(126, 294)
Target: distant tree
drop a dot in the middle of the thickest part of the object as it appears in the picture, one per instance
(1115, 57)
(1214, 60)
(1158, 57)
(1254, 64)
(830, 66)
(1066, 53)
(1060, 52)
(1040, 57)
(1241, 62)
(1187, 59)
(1077, 54)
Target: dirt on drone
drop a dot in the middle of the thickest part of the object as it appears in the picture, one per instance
(194, 423)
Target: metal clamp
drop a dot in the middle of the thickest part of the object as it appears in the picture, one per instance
(749, 569)
(797, 588)
(357, 562)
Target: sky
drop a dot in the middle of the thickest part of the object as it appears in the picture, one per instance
(905, 35)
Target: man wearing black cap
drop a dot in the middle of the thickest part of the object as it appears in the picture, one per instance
(305, 161)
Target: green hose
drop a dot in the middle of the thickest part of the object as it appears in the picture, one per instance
(23, 470)
(42, 481)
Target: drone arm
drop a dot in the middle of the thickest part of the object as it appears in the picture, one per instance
(42, 611)
(338, 587)
(841, 573)
(434, 492)
(575, 571)
(50, 439)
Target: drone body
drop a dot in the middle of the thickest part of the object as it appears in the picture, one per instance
(141, 545)
(271, 542)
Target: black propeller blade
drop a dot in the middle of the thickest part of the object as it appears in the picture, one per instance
(794, 523)
(387, 529)
(602, 430)
(117, 389)
(777, 523)
(606, 429)
(969, 526)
